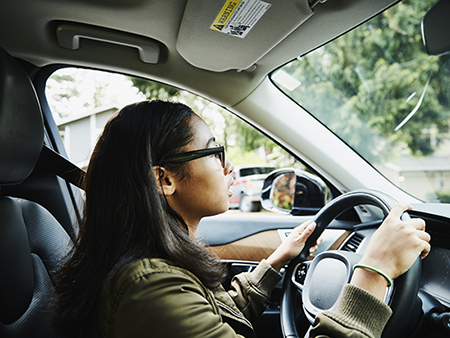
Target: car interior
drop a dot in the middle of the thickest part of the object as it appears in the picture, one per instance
(180, 43)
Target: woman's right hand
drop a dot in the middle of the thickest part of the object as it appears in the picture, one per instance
(396, 244)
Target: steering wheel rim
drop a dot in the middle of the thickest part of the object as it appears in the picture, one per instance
(405, 287)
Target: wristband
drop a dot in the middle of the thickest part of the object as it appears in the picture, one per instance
(376, 270)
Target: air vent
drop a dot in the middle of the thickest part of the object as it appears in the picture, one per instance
(353, 243)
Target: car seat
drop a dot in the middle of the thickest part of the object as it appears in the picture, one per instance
(32, 242)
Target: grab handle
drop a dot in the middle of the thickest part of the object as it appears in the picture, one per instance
(69, 36)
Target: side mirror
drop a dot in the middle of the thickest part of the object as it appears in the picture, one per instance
(292, 191)
(436, 28)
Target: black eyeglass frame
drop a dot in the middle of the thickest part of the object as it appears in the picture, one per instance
(195, 154)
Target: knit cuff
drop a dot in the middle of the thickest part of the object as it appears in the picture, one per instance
(361, 310)
(264, 276)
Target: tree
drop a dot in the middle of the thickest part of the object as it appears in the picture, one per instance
(371, 79)
(155, 90)
(62, 87)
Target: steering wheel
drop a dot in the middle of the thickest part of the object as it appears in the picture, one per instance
(320, 293)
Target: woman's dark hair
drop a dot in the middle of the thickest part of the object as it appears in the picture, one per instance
(124, 217)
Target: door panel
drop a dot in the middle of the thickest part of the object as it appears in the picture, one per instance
(252, 248)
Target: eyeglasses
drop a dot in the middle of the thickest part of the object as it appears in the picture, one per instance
(193, 155)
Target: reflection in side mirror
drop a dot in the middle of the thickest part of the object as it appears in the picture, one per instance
(292, 191)
(436, 28)
(283, 191)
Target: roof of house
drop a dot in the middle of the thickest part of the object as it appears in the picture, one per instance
(95, 111)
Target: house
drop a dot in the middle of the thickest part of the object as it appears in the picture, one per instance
(80, 132)
(422, 177)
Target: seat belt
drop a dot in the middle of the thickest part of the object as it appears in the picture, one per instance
(52, 162)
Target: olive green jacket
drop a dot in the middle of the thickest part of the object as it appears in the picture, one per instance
(154, 298)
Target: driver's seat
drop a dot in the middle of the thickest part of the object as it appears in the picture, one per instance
(32, 242)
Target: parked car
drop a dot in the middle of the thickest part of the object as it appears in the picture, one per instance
(346, 87)
(247, 186)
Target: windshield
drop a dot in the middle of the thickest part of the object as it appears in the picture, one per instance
(380, 92)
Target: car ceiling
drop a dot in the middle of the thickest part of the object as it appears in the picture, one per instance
(192, 56)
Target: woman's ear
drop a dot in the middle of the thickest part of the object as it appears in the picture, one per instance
(164, 181)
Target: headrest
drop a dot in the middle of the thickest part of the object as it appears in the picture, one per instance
(21, 124)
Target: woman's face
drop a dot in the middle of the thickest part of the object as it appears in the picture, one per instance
(205, 191)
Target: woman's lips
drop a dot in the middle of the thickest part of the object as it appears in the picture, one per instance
(230, 193)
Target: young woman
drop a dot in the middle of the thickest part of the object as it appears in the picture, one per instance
(136, 268)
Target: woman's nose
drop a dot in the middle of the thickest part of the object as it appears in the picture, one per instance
(229, 167)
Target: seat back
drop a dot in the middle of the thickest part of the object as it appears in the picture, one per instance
(32, 242)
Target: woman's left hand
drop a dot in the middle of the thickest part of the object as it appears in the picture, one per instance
(293, 245)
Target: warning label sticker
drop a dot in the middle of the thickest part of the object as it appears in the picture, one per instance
(238, 17)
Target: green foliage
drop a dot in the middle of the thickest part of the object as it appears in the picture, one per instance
(364, 84)
(443, 196)
(237, 156)
(439, 196)
(155, 90)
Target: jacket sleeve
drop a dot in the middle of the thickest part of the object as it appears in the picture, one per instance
(358, 315)
(166, 305)
(251, 290)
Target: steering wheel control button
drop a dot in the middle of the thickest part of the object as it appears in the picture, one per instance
(441, 322)
(301, 273)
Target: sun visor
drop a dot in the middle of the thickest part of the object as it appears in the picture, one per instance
(220, 35)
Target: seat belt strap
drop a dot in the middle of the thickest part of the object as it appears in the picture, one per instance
(53, 162)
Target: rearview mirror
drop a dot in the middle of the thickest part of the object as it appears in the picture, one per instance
(292, 191)
(436, 28)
